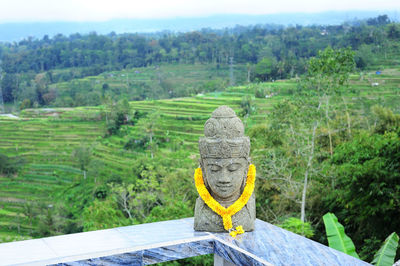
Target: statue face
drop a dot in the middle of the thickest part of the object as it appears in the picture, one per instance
(225, 176)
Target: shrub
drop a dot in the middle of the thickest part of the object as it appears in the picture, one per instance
(295, 225)
(10, 165)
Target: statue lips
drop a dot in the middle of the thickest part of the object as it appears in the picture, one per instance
(224, 187)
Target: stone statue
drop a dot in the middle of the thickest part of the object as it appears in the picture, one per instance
(224, 162)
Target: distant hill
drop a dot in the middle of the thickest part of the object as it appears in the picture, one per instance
(16, 31)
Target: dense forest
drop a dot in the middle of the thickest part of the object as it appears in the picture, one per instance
(262, 53)
(116, 144)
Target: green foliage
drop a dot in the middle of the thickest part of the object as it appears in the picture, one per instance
(364, 56)
(170, 210)
(46, 226)
(82, 155)
(26, 103)
(386, 254)
(265, 69)
(118, 114)
(213, 85)
(162, 187)
(264, 136)
(260, 92)
(385, 120)
(9, 87)
(102, 214)
(295, 225)
(248, 106)
(367, 192)
(331, 68)
(283, 153)
(81, 69)
(336, 236)
(369, 247)
(10, 165)
(149, 126)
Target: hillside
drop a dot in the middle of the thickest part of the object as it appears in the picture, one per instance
(159, 82)
(86, 70)
(47, 138)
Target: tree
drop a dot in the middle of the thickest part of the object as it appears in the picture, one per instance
(102, 214)
(264, 70)
(385, 120)
(124, 196)
(10, 165)
(248, 106)
(150, 125)
(9, 87)
(117, 114)
(288, 157)
(47, 222)
(82, 155)
(393, 31)
(249, 67)
(329, 70)
(367, 191)
(30, 212)
(41, 85)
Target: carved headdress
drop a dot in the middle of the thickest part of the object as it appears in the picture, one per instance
(224, 136)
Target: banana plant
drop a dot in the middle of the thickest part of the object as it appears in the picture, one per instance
(387, 252)
(337, 238)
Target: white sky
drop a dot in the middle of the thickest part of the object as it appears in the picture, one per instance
(100, 10)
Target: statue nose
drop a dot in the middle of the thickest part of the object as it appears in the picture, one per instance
(225, 177)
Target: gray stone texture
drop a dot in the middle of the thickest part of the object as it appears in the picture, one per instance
(224, 159)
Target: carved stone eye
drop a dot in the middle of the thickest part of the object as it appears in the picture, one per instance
(233, 167)
(215, 168)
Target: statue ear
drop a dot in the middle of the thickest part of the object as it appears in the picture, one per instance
(245, 175)
(203, 169)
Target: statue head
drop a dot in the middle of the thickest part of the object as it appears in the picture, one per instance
(224, 154)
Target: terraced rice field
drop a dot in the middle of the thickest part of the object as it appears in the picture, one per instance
(46, 138)
(46, 145)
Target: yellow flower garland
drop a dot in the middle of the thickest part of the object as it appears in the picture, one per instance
(226, 213)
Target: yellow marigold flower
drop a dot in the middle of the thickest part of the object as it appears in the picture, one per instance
(233, 233)
(226, 213)
(239, 229)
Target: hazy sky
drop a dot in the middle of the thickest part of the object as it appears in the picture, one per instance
(100, 10)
